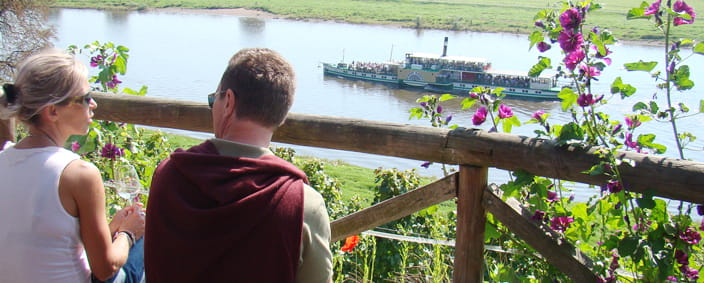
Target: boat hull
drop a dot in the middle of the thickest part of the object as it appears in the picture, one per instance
(458, 88)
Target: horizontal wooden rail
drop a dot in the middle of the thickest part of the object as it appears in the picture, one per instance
(665, 177)
(394, 208)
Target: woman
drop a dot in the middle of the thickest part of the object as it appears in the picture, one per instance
(52, 204)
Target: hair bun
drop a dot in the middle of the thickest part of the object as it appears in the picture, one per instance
(10, 92)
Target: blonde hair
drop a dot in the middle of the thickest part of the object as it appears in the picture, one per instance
(43, 79)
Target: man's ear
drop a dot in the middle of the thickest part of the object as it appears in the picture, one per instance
(230, 102)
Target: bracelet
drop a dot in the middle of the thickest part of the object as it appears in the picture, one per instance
(130, 236)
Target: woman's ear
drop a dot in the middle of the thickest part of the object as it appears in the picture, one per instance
(50, 113)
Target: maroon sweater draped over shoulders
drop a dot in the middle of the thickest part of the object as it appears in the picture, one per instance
(213, 218)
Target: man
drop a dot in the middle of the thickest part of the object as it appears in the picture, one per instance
(228, 210)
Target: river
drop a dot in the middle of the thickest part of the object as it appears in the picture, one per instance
(182, 56)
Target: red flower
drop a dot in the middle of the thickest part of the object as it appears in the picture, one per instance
(350, 243)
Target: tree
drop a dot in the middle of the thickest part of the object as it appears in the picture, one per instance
(23, 31)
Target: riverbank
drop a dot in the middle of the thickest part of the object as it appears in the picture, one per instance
(504, 16)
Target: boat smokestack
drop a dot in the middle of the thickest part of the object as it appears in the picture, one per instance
(444, 48)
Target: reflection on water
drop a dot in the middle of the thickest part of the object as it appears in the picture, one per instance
(182, 56)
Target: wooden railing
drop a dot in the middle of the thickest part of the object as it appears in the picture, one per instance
(474, 150)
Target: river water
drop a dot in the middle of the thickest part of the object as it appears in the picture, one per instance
(182, 56)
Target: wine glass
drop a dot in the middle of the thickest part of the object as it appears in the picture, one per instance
(127, 182)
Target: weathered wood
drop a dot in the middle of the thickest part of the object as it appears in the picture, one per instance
(471, 220)
(394, 208)
(667, 177)
(550, 244)
(7, 131)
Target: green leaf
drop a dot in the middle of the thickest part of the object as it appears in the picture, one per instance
(468, 102)
(699, 48)
(510, 122)
(640, 106)
(636, 13)
(446, 97)
(571, 131)
(538, 68)
(682, 80)
(627, 246)
(625, 90)
(535, 38)
(568, 98)
(653, 108)
(647, 141)
(701, 106)
(641, 66)
(646, 201)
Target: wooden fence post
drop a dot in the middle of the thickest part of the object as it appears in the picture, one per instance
(7, 131)
(471, 218)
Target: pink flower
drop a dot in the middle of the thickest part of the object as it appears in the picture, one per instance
(653, 8)
(480, 116)
(111, 151)
(505, 112)
(474, 95)
(570, 19)
(689, 273)
(614, 186)
(585, 100)
(574, 58)
(570, 41)
(561, 223)
(75, 146)
(552, 196)
(681, 7)
(538, 115)
(632, 124)
(690, 236)
(681, 257)
(543, 46)
(589, 71)
(96, 60)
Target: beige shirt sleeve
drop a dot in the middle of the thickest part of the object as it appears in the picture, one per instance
(315, 262)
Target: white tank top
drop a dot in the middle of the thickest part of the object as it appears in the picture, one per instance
(39, 240)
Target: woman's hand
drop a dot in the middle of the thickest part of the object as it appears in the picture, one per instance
(131, 220)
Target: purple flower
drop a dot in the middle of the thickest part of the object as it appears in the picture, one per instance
(538, 115)
(75, 146)
(632, 124)
(423, 104)
(439, 109)
(589, 71)
(690, 236)
(614, 262)
(561, 223)
(629, 141)
(681, 7)
(538, 215)
(681, 257)
(114, 82)
(96, 60)
(574, 58)
(570, 41)
(700, 209)
(689, 273)
(505, 112)
(653, 8)
(585, 100)
(672, 278)
(539, 24)
(543, 46)
(570, 19)
(426, 164)
(614, 186)
(111, 151)
(480, 116)
(474, 95)
(448, 119)
(616, 129)
(552, 196)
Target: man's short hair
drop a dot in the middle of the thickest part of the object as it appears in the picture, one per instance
(264, 85)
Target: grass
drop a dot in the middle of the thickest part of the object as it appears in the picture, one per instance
(475, 15)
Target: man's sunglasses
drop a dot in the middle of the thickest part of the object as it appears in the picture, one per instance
(211, 98)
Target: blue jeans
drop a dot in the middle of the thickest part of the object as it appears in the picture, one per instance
(133, 270)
